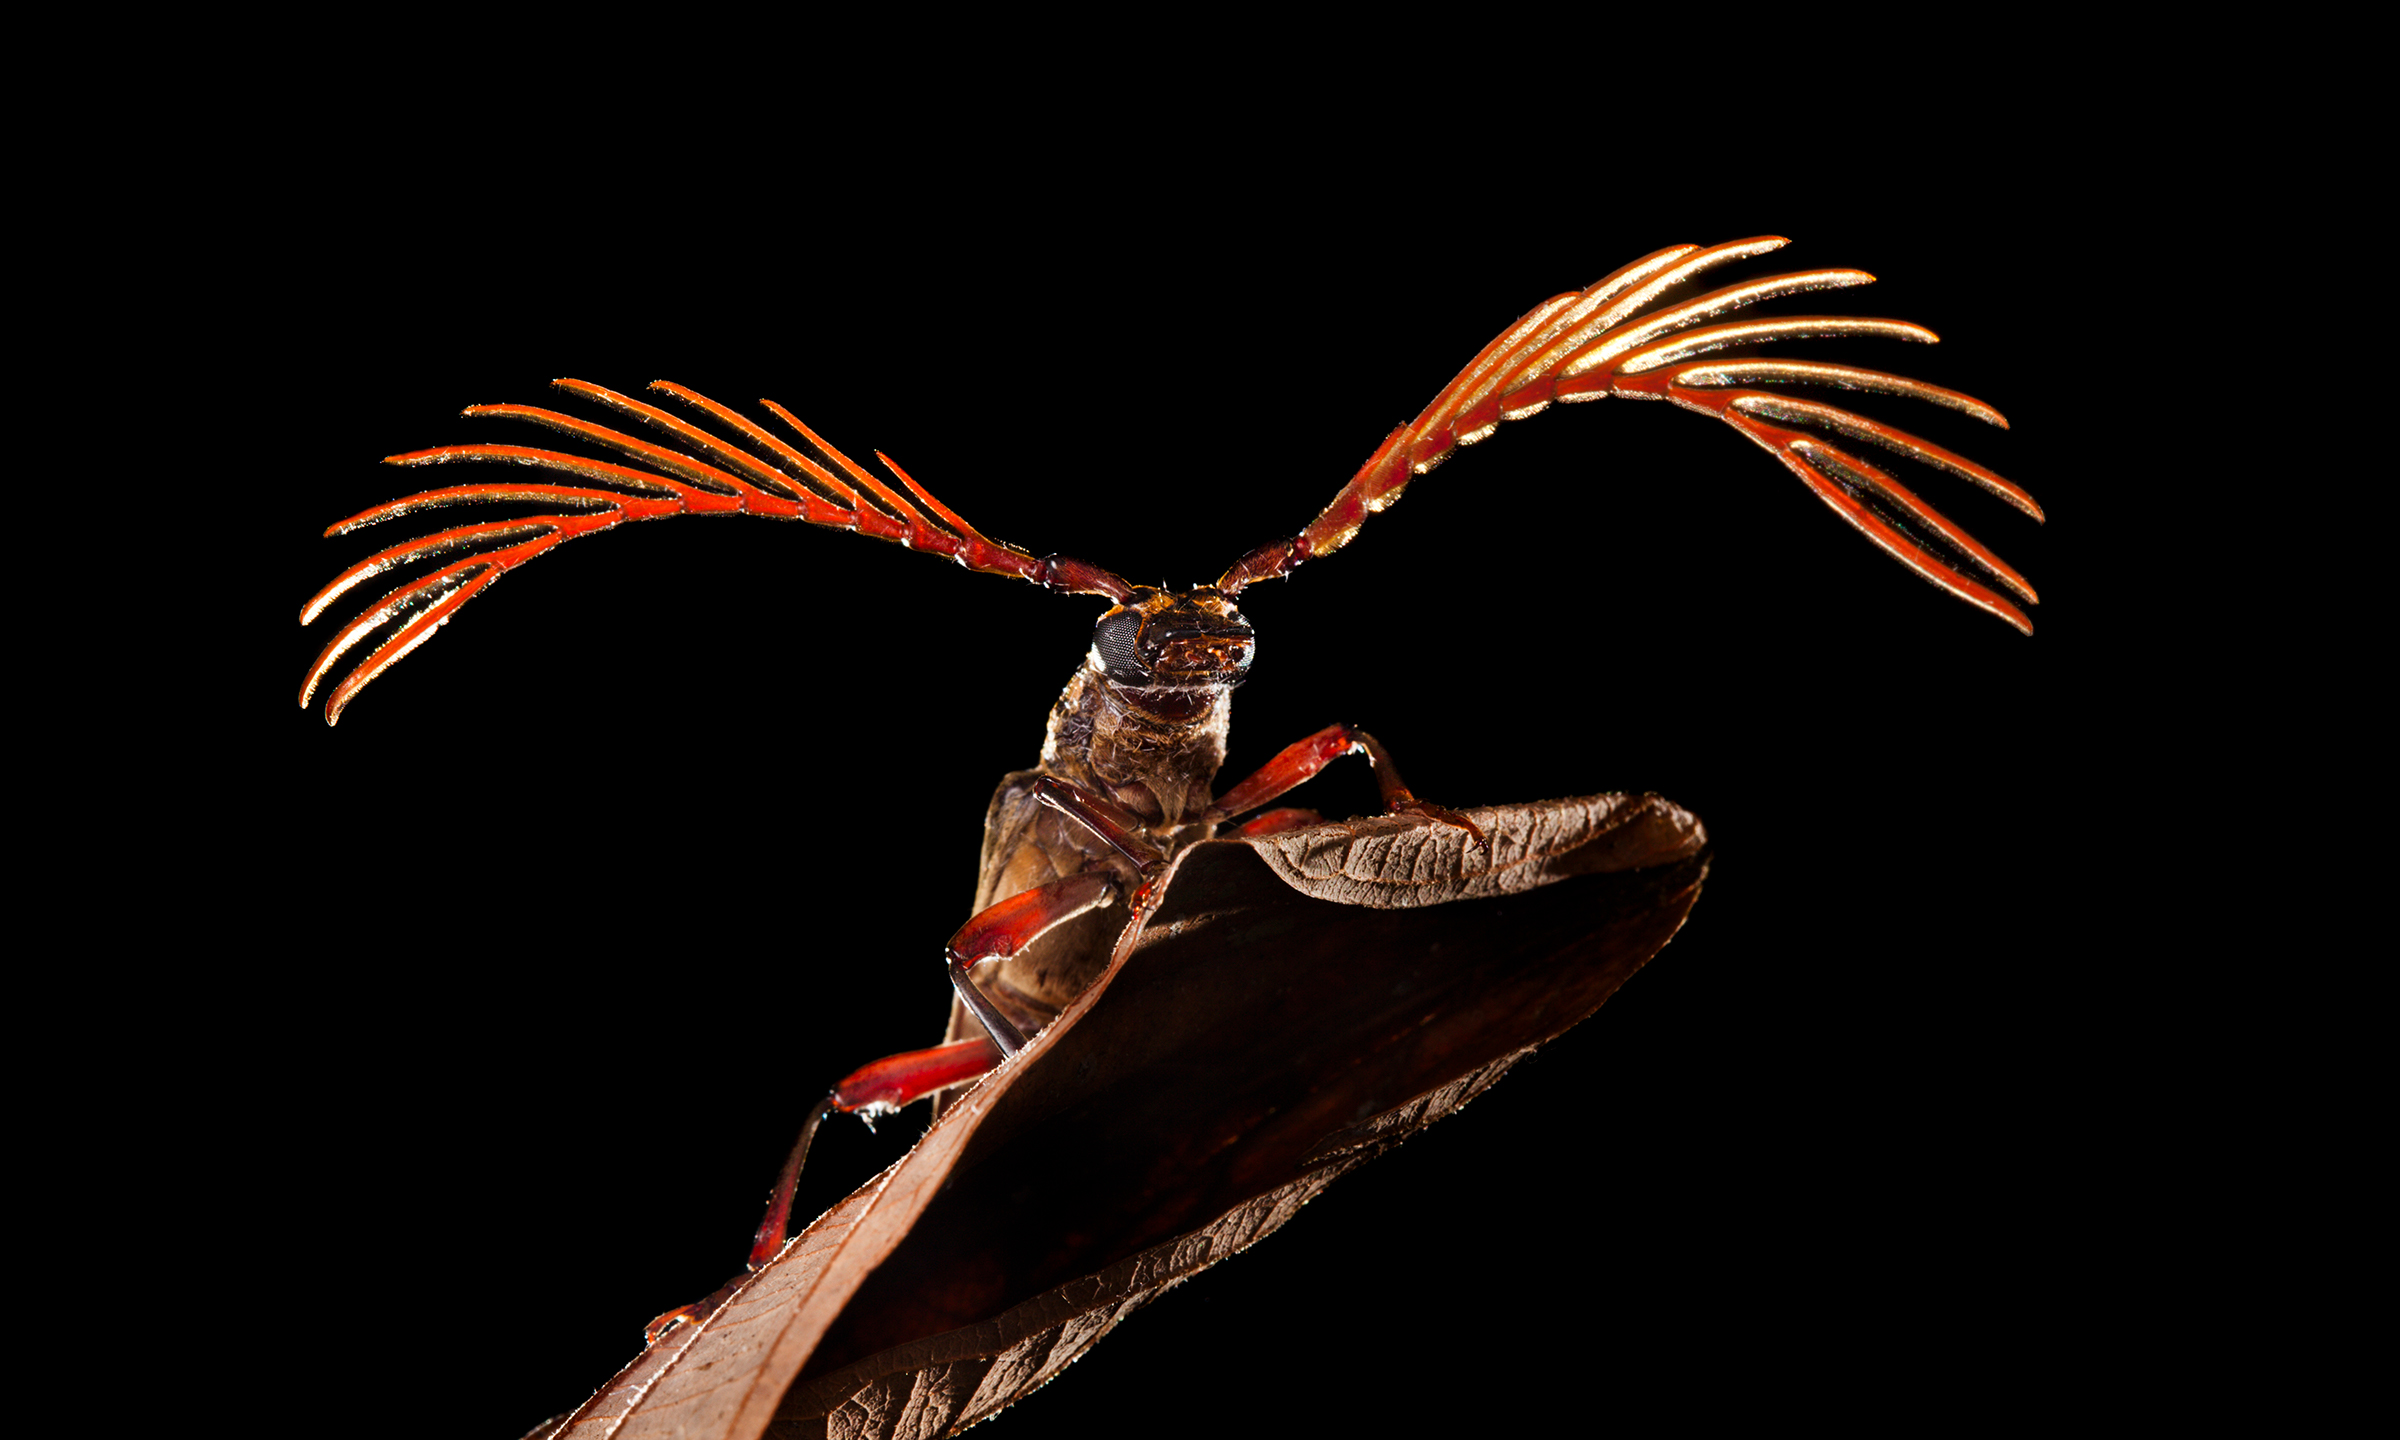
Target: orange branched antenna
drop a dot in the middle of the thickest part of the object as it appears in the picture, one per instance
(707, 475)
(1598, 342)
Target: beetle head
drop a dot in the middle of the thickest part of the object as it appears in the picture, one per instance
(1156, 639)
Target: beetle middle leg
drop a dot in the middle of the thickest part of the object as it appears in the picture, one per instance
(997, 932)
(873, 1089)
(877, 1088)
(885, 1085)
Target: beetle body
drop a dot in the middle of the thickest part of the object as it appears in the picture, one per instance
(1151, 743)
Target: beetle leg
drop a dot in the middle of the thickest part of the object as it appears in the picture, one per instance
(874, 1089)
(1299, 762)
(1398, 799)
(1294, 765)
(1007, 927)
(1125, 832)
(1275, 822)
(695, 1312)
(996, 933)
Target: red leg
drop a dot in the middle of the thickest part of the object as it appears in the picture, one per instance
(875, 1089)
(1008, 927)
(896, 1080)
(1299, 762)
(1275, 822)
(1125, 832)
(871, 1090)
(1295, 764)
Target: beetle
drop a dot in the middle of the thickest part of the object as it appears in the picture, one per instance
(1180, 653)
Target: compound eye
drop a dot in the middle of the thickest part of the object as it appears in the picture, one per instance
(1116, 642)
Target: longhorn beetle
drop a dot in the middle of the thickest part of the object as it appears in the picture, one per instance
(1126, 777)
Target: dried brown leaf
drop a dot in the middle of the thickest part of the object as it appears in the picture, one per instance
(1291, 1008)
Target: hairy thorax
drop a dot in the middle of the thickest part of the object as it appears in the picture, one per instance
(1156, 753)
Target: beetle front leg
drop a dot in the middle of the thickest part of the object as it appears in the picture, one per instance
(1299, 762)
(1010, 925)
(1122, 830)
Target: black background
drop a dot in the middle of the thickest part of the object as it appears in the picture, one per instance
(553, 939)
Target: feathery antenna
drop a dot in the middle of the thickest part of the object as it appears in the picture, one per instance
(708, 475)
(1594, 343)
